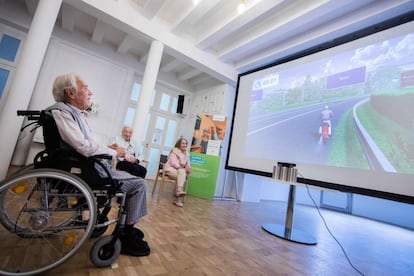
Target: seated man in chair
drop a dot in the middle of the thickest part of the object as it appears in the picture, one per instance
(73, 97)
(130, 162)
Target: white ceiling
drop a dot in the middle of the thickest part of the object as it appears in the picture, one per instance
(211, 42)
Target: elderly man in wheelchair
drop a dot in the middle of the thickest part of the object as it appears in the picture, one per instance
(53, 206)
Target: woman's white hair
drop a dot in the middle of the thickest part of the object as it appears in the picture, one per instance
(61, 83)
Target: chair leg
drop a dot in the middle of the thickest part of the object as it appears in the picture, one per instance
(160, 189)
(185, 189)
(186, 186)
(154, 186)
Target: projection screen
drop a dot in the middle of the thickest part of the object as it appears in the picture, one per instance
(344, 114)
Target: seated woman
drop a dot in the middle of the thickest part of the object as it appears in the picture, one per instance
(178, 167)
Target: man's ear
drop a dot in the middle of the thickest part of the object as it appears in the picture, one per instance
(70, 93)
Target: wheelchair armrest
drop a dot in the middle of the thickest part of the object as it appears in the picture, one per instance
(102, 156)
(98, 160)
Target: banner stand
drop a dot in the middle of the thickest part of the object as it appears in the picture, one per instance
(234, 184)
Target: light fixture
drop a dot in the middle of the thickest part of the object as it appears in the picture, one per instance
(196, 2)
(244, 5)
(241, 8)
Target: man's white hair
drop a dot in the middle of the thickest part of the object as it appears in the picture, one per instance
(61, 83)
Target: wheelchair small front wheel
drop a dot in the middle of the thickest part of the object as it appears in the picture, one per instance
(104, 252)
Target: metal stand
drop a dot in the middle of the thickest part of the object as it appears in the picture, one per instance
(234, 183)
(285, 231)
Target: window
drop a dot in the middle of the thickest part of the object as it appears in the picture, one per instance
(129, 118)
(165, 102)
(136, 89)
(4, 74)
(133, 99)
(168, 102)
(174, 105)
(159, 127)
(170, 136)
(8, 47)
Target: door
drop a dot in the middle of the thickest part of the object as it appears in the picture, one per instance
(160, 138)
(162, 124)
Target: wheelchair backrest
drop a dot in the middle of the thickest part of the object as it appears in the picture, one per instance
(61, 155)
(51, 136)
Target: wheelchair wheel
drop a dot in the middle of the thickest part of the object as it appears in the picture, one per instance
(25, 168)
(46, 216)
(104, 252)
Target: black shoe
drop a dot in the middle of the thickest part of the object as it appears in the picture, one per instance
(137, 232)
(134, 246)
(133, 243)
(136, 249)
(134, 232)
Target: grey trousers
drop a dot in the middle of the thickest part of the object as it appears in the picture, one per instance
(136, 193)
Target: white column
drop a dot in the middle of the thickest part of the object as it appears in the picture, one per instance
(24, 81)
(148, 85)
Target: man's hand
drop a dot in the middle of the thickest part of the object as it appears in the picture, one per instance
(120, 152)
(113, 146)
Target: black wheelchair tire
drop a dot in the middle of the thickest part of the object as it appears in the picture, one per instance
(103, 253)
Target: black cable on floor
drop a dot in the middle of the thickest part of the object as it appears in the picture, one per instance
(329, 231)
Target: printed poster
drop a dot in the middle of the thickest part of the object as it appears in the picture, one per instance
(205, 151)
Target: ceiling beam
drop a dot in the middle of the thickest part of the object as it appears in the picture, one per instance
(169, 66)
(31, 6)
(68, 18)
(144, 58)
(237, 22)
(193, 15)
(125, 44)
(151, 8)
(190, 73)
(199, 79)
(99, 31)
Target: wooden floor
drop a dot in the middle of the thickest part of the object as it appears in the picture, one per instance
(215, 237)
(225, 238)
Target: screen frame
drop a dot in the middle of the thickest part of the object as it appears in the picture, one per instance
(382, 26)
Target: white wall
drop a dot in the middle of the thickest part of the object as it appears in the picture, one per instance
(107, 91)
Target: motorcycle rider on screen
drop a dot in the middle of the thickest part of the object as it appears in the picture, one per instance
(325, 130)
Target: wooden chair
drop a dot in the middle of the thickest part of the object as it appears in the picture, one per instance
(144, 163)
(163, 177)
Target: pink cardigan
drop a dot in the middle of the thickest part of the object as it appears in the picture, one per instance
(178, 159)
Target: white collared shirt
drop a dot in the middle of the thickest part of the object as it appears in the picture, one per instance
(71, 133)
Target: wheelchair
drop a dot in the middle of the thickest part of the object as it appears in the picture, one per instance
(51, 208)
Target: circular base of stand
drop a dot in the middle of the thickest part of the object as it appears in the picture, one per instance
(295, 235)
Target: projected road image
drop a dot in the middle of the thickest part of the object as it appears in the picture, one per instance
(295, 133)
(353, 109)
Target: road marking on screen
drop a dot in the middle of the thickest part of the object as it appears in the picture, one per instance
(279, 122)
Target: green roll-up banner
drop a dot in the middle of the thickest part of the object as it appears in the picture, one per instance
(209, 132)
(202, 181)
